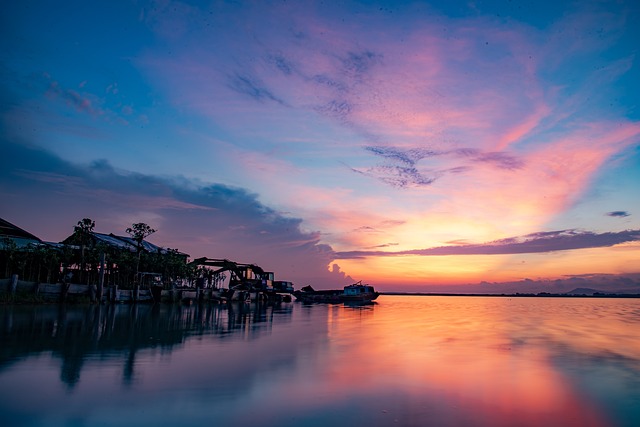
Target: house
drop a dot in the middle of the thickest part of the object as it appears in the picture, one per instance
(80, 256)
(21, 238)
(26, 255)
(126, 262)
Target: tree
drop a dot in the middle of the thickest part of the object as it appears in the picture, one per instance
(85, 227)
(51, 262)
(138, 232)
(83, 231)
(12, 255)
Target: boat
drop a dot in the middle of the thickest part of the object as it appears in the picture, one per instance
(356, 293)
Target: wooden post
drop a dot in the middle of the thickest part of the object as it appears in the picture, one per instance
(136, 293)
(173, 292)
(101, 282)
(64, 287)
(114, 293)
(13, 287)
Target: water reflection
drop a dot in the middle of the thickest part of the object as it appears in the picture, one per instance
(407, 361)
(490, 361)
(76, 334)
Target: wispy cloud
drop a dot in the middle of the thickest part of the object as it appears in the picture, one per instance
(501, 160)
(618, 214)
(384, 245)
(252, 87)
(81, 102)
(357, 65)
(406, 156)
(338, 109)
(281, 63)
(540, 242)
(107, 103)
(401, 169)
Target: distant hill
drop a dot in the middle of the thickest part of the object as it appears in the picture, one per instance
(586, 291)
(587, 284)
(590, 291)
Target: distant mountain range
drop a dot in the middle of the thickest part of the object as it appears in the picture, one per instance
(587, 284)
(590, 291)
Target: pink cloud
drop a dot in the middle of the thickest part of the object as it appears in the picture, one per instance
(552, 241)
(456, 86)
(567, 165)
(81, 103)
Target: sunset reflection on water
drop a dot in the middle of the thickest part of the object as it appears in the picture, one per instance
(483, 361)
(404, 361)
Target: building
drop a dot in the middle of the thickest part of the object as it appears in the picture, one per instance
(12, 233)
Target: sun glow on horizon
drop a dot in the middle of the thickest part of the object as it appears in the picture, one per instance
(421, 271)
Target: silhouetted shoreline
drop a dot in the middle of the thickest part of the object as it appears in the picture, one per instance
(516, 295)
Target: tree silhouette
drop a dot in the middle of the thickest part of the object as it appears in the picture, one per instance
(83, 231)
(138, 232)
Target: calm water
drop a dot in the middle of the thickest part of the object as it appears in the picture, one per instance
(406, 361)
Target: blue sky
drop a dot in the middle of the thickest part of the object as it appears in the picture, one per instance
(289, 134)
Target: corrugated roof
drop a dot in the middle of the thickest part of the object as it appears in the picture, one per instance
(149, 247)
(129, 243)
(9, 230)
(23, 238)
(113, 240)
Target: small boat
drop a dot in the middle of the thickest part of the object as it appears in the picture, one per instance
(356, 293)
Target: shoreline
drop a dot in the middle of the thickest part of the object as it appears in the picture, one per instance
(516, 295)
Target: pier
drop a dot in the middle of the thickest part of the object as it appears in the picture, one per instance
(20, 291)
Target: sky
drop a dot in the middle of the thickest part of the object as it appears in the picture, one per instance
(413, 145)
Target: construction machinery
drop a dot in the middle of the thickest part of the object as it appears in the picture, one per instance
(246, 281)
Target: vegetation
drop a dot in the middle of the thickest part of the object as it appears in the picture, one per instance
(78, 260)
(139, 231)
(83, 232)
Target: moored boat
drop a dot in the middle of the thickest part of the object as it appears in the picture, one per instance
(356, 293)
